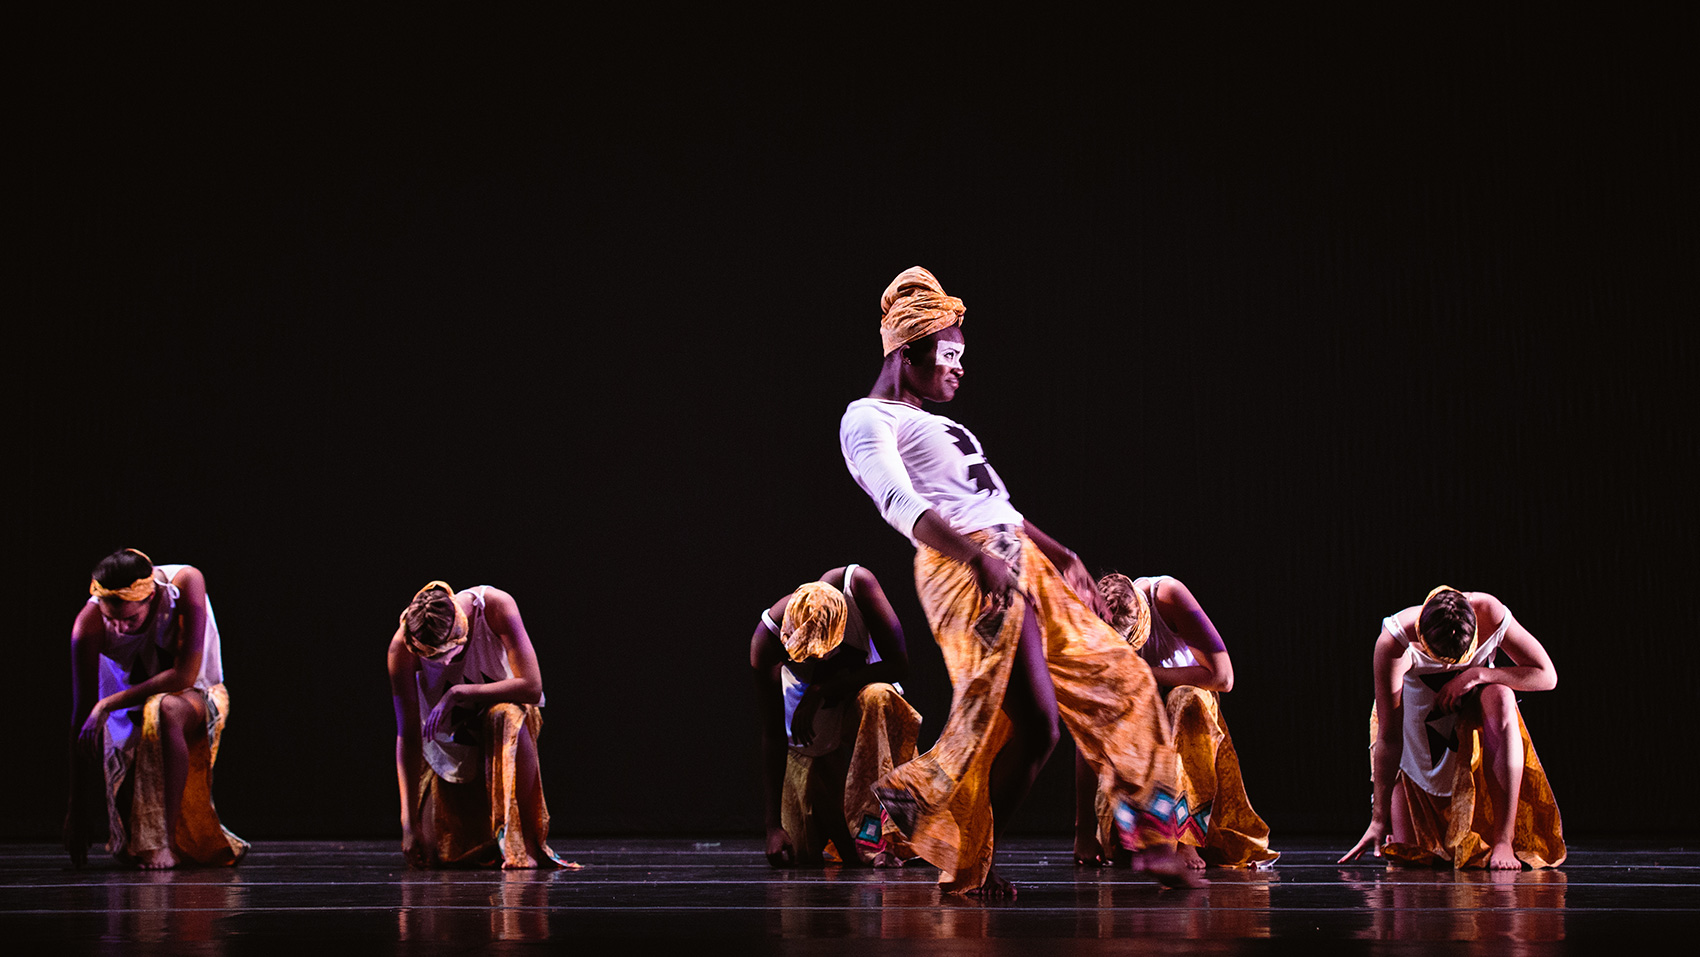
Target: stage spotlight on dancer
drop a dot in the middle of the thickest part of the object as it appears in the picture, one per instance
(1015, 614)
(468, 710)
(148, 702)
(1455, 776)
(827, 660)
(1164, 623)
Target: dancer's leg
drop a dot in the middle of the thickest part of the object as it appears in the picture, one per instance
(1030, 703)
(182, 723)
(1502, 754)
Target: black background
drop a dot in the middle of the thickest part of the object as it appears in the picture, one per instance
(1311, 311)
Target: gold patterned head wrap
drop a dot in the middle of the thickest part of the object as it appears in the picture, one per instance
(456, 636)
(1464, 655)
(139, 590)
(1130, 613)
(914, 305)
(814, 621)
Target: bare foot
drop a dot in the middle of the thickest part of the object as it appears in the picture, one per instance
(158, 859)
(1502, 858)
(1087, 852)
(1189, 856)
(887, 858)
(995, 887)
(1167, 867)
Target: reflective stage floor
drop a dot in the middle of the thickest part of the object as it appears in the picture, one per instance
(679, 896)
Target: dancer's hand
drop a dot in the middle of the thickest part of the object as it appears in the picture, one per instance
(780, 853)
(412, 846)
(1446, 700)
(995, 578)
(1080, 580)
(803, 719)
(91, 738)
(439, 716)
(1374, 837)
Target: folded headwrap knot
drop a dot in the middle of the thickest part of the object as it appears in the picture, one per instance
(914, 305)
(457, 635)
(814, 621)
(1130, 613)
(1464, 655)
(139, 590)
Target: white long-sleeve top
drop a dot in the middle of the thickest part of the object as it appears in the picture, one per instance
(909, 460)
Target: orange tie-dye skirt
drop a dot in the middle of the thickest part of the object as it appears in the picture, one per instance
(1105, 692)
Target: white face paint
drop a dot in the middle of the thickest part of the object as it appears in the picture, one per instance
(950, 355)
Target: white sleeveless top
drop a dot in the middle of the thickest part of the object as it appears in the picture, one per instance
(1164, 648)
(128, 660)
(827, 720)
(456, 753)
(1431, 740)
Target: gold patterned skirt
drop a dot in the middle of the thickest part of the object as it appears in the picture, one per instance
(1454, 829)
(484, 823)
(1107, 698)
(1220, 821)
(877, 736)
(136, 815)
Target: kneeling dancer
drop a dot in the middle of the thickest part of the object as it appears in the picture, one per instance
(147, 683)
(1015, 614)
(1455, 775)
(827, 660)
(1164, 623)
(468, 709)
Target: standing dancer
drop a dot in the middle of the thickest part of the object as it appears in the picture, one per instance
(827, 661)
(1009, 608)
(1455, 775)
(1162, 621)
(148, 698)
(468, 709)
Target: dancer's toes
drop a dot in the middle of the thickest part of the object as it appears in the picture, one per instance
(158, 859)
(1189, 856)
(1502, 858)
(1169, 870)
(995, 887)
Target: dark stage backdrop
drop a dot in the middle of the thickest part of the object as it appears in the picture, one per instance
(1311, 313)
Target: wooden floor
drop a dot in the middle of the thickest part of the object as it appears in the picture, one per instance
(678, 896)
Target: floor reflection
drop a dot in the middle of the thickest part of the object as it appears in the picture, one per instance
(1416, 904)
(188, 906)
(488, 906)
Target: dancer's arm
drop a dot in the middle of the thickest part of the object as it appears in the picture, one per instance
(501, 612)
(1531, 670)
(766, 654)
(190, 644)
(994, 576)
(87, 633)
(409, 744)
(1214, 670)
(884, 630)
(1389, 746)
(1072, 568)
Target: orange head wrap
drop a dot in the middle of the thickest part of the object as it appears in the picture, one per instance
(914, 305)
(814, 621)
(1464, 655)
(457, 635)
(1130, 613)
(139, 590)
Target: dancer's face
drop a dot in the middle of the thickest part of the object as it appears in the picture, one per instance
(935, 369)
(125, 617)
